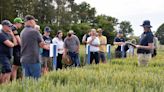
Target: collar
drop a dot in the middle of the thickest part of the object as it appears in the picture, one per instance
(47, 36)
(147, 32)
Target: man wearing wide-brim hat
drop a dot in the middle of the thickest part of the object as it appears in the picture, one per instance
(145, 45)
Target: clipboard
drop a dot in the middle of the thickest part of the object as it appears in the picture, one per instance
(129, 43)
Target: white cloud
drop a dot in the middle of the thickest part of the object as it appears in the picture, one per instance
(134, 11)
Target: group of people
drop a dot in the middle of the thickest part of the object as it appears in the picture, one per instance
(147, 48)
(31, 50)
(97, 43)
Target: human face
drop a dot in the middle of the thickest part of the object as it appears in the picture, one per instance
(46, 33)
(6, 28)
(69, 34)
(33, 23)
(146, 29)
(93, 33)
(19, 25)
(60, 35)
(120, 35)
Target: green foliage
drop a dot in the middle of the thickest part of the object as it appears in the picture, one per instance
(62, 15)
(160, 34)
(81, 29)
(126, 27)
(107, 23)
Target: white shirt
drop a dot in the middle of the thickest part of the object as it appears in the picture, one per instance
(60, 44)
(96, 41)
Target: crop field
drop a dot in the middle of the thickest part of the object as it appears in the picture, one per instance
(117, 75)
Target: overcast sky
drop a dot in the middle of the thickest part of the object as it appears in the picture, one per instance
(134, 11)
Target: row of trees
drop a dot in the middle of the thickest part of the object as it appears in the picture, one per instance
(160, 34)
(64, 15)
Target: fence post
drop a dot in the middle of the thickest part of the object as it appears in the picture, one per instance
(109, 51)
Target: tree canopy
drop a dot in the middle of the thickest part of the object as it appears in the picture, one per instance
(160, 34)
(63, 15)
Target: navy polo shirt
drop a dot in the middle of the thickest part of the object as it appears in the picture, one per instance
(48, 40)
(117, 39)
(146, 38)
(5, 51)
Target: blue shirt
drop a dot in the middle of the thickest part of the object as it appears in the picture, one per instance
(48, 40)
(146, 38)
(117, 39)
(4, 49)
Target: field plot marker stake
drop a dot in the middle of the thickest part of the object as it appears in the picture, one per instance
(54, 57)
(88, 52)
(109, 51)
(122, 50)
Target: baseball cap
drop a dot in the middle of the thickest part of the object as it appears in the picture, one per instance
(7, 23)
(120, 32)
(71, 32)
(18, 20)
(29, 17)
(99, 30)
(47, 29)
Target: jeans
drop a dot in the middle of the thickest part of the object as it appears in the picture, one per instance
(75, 58)
(32, 70)
(102, 56)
